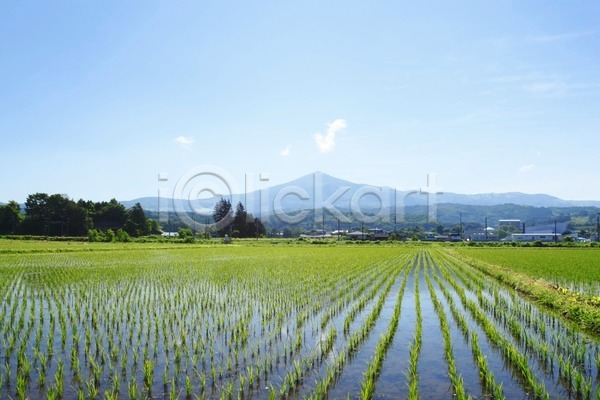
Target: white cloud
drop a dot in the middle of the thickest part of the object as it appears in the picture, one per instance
(527, 168)
(326, 142)
(286, 152)
(185, 141)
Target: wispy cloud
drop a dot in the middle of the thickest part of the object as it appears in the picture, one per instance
(527, 168)
(185, 141)
(545, 87)
(560, 87)
(286, 152)
(326, 142)
(558, 37)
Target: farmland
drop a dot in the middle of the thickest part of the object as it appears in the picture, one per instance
(576, 268)
(280, 321)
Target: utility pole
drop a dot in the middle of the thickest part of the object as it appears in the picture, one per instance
(598, 228)
(485, 230)
(555, 231)
(338, 229)
(460, 227)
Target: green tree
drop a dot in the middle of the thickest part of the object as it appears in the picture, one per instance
(505, 231)
(36, 214)
(185, 233)
(240, 221)
(109, 215)
(255, 228)
(137, 222)
(223, 216)
(10, 217)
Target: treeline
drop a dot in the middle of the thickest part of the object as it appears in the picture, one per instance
(240, 224)
(57, 215)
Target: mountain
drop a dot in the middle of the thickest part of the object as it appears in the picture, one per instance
(492, 199)
(314, 190)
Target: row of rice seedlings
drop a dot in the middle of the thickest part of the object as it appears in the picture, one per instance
(50, 341)
(305, 364)
(359, 305)
(573, 378)
(486, 375)
(348, 293)
(301, 367)
(516, 316)
(325, 346)
(457, 382)
(353, 343)
(415, 348)
(514, 321)
(372, 372)
(553, 340)
(510, 352)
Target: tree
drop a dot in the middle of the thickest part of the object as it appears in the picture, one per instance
(255, 228)
(505, 231)
(137, 222)
(109, 215)
(185, 233)
(240, 221)
(223, 216)
(36, 214)
(54, 215)
(10, 217)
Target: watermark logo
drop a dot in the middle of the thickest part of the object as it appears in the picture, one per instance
(198, 190)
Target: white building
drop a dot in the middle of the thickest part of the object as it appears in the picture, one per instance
(488, 235)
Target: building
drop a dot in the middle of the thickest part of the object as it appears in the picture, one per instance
(533, 237)
(378, 234)
(316, 234)
(357, 235)
(484, 237)
(488, 235)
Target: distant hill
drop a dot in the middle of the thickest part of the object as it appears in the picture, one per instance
(289, 194)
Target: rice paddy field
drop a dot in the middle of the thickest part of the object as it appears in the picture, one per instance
(575, 268)
(279, 321)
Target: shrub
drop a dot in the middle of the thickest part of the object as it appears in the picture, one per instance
(122, 236)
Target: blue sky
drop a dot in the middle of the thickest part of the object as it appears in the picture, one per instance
(99, 97)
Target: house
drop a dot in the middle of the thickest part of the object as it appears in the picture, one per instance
(357, 235)
(317, 234)
(378, 234)
(169, 234)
